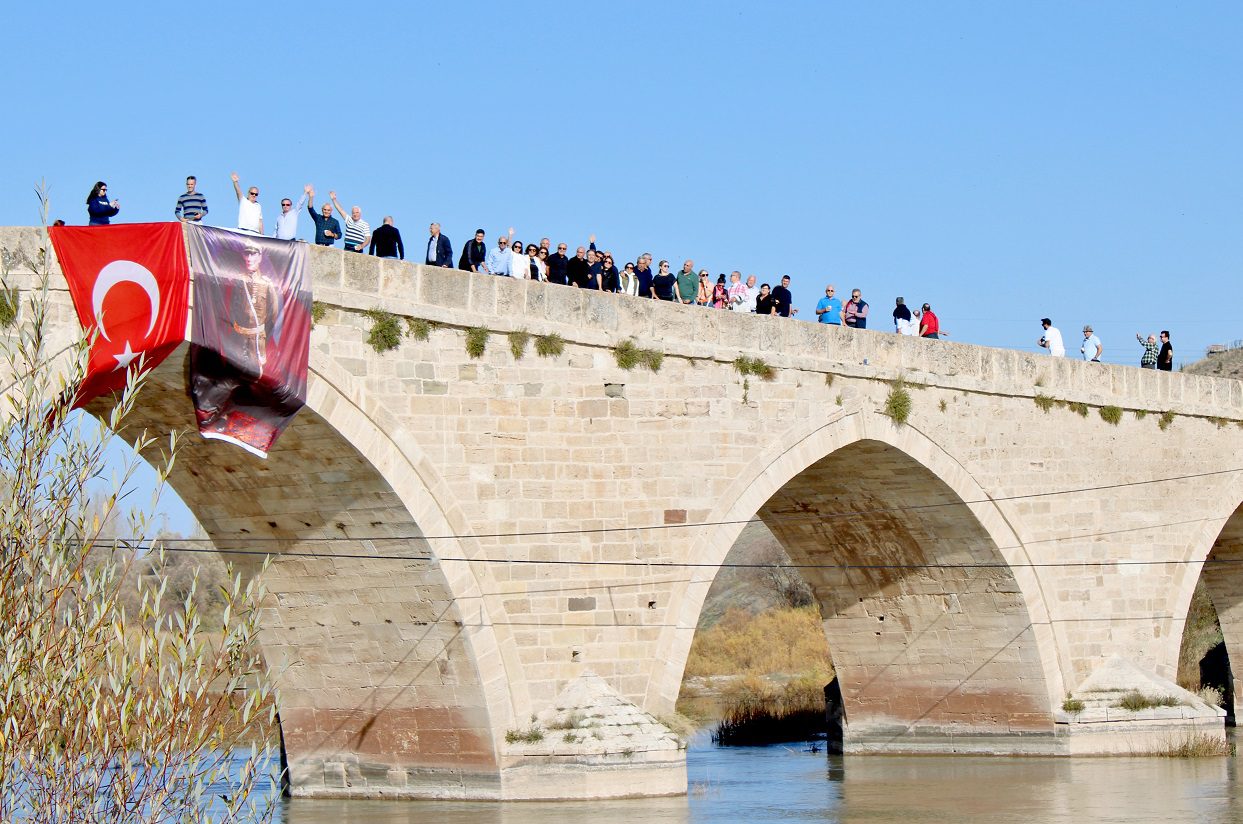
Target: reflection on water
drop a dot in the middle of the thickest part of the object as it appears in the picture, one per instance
(790, 784)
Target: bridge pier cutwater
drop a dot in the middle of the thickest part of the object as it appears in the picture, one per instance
(512, 553)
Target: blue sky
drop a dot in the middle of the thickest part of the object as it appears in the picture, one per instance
(1001, 161)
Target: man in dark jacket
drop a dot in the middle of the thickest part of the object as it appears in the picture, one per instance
(474, 253)
(558, 266)
(577, 268)
(386, 241)
(782, 298)
(439, 250)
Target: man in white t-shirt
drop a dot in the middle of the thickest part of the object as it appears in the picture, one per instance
(249, 212)
(1052, 339)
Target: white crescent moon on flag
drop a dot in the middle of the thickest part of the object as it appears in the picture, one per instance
(119, 271)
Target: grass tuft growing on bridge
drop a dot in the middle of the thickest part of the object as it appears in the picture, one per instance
(531, 735)
(476, 341)
(1167, 418)
(1110, 414)
(629, 355)
(754, 366)
(1078, 408)
(385, 333)
(1140, 414)
(1072, 705)
(1045, 402)
(898, 403)
(518, 341)
(549, 346)
(1136, 701)
(418, 328)
(318, 310)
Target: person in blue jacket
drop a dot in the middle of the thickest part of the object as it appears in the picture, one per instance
(99, 207)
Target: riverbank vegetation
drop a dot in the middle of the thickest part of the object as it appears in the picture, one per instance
(109, 712)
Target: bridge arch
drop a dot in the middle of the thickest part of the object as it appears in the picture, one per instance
(1214, 555)
(932, 609)
(391, 673)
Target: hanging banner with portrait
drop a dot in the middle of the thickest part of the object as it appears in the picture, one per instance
(250, 335)
(130, 287)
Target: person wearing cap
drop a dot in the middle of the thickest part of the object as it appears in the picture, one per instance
(1051, 339)
(1092, 348)
(1165, 358)
(253, 310)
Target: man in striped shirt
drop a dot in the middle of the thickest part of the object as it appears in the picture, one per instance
(357, 230)
(191, 206)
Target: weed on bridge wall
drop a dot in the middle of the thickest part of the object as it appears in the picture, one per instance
(477, 341)
(549, 346)
(1110, 414)
(385, 334)
(754, 366)
(418, 328)
(518, 341)
(629, 355)
(898, 402)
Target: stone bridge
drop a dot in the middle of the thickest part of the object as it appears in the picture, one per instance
(472, 552)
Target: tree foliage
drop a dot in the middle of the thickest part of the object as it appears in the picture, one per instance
(109, 713)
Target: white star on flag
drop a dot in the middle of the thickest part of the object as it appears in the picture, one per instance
(126, 358)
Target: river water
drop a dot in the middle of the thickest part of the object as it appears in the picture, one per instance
(791, 784)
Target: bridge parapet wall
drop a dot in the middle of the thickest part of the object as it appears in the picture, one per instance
(458, 298)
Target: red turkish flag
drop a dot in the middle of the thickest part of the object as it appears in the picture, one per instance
(132, 283)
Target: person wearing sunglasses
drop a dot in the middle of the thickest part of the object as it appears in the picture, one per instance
(249, 212)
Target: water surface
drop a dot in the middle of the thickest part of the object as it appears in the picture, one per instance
(791, 784)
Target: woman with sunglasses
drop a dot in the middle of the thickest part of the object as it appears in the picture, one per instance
(628, 281)
(98, 207)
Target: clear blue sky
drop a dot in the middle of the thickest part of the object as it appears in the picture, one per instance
(1002, 161)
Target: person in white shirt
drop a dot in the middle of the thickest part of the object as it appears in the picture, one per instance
(748, 304)
(1052, 339)
(519, 264)
(249, 212)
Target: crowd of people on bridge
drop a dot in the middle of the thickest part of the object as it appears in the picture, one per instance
(588, 268)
